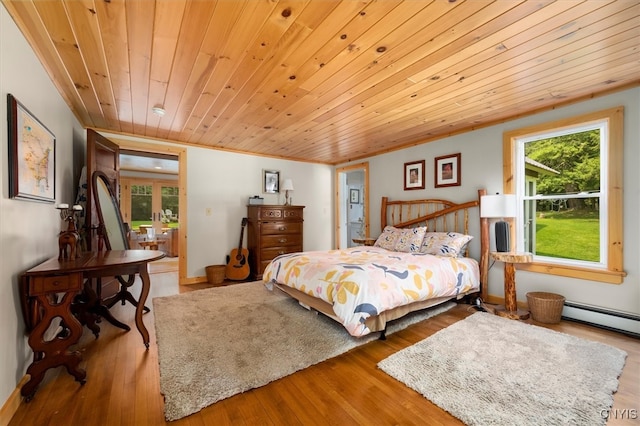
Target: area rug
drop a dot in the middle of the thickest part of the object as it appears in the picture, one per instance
(218, 342)
(488, 370)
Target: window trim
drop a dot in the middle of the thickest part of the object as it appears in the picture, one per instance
(614, 272)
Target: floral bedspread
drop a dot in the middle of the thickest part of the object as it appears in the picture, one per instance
(363, 281)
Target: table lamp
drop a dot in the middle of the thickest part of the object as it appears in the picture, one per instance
(287, 186)
(499, 206)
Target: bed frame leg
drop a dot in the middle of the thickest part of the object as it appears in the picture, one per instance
(383, 334)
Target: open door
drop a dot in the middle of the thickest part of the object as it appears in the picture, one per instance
(102, 155)
(352, 204)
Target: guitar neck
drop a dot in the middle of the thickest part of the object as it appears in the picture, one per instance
(241, 238)
(244, 223)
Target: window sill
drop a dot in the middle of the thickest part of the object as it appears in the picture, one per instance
(600, 275)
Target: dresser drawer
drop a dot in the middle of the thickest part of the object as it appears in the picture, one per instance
(276, 240)
(269, 253)
(270, 213)
(277, 212)
(53, 284)
(281, 228)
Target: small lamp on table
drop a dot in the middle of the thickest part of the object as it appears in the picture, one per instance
(287, 186)
(499, 206)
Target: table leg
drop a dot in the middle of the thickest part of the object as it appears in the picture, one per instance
(144, 292)
(510, 309)
(54, 353)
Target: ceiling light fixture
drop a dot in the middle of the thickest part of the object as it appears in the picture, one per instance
(159, 111)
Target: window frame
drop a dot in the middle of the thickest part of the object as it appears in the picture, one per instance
(613, 272)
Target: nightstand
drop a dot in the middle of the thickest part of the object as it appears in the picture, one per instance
(365, 241)
(510, 308)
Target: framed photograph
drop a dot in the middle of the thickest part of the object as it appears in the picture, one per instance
(414, 175)
(354, 196)
(32, 155)
(447, 169)
(270, 181)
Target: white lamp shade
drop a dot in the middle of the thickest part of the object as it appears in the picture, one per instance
(287, 185)
(498, 206)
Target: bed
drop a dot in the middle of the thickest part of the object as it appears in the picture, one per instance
(420, 260)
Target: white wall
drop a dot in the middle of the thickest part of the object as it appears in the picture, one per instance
(28, 230)
(224, 181)
(482, 168)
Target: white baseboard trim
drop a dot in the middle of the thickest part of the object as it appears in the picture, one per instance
(602, 317)
(11, 405)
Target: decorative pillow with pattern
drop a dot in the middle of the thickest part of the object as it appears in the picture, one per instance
(410, 239)
(450, 244)
(405, 240)
(387, 240)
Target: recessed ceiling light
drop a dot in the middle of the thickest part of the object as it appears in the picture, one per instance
(159, 111)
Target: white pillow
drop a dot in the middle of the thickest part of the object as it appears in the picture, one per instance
(450, 244)
(407, 240)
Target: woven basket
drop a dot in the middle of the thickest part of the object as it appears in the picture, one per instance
(215, 273)
(545, 307)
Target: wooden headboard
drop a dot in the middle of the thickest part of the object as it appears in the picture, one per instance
(440, 216)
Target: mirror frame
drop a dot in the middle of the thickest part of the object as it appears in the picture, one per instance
(115, 227)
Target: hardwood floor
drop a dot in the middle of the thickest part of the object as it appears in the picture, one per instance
(123, 388)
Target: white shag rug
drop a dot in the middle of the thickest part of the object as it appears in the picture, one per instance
(218, 342)
(488, 370)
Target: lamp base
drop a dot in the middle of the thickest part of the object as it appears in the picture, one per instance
(502, 236)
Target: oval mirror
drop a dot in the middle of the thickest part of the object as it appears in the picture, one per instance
(111, 225)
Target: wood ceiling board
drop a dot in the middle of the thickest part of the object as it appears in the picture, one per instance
(222, 69)
(113, 27)
(140, 20)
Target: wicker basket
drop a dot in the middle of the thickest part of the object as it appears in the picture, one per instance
(215, 273)
(545, 307)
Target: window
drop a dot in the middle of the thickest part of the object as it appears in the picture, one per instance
(567, 177)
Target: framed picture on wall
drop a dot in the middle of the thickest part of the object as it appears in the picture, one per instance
(354, 196)
(32, 155)
(270, 181)
(414, 175)
(447, 170)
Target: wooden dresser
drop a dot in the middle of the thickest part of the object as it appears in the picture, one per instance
(272, 231)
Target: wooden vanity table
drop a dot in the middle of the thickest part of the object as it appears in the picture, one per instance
(48, 290)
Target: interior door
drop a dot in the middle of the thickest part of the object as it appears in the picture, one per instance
(103, 155)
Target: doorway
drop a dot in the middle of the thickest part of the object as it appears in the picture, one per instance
(151, 153)
(151, 208)
(352, 204)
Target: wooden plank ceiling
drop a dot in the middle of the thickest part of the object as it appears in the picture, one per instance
(326, 81)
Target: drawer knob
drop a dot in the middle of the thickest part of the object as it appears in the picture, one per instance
(283, 228)
(56, 283)
(283, 240)
(281, 252)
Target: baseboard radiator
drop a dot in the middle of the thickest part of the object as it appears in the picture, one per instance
(604, 318)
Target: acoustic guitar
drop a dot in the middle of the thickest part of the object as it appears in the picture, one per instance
(237, 265)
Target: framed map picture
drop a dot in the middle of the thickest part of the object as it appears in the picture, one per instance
(32, 155)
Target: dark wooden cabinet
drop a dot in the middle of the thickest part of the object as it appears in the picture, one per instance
(272, 231)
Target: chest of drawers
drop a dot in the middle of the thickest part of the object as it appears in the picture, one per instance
(272, 230)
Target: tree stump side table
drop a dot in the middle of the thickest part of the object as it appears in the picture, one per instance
(510, 309)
